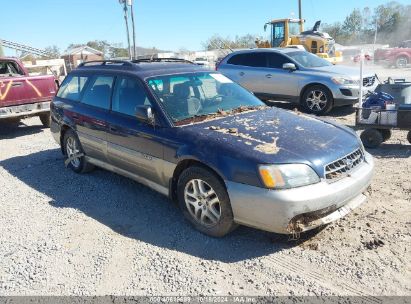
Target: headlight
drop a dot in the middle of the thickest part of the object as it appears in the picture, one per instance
(287, 176)
(345, 81)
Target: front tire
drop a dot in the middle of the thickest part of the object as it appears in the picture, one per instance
(409, 137)
(204, 201)
(73, 152)
(317, 99)
(45, 119)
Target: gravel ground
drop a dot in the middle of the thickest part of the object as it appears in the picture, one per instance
(100, 233)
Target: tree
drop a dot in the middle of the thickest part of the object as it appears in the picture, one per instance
(218, 42)
(100, 45)
(118, 52)
(53, 51)
(392, 20)
(74, 46)
(336, 31)
(352, 25)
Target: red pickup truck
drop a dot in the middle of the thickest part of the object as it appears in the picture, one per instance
(22, 95)
(399, 57)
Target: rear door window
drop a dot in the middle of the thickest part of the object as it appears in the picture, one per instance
(129, 93)
(236, 59)
(251, 60)
(98, 92)
(72, 87)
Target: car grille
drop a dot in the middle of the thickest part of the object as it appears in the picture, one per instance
(341, 167)
(368, 81)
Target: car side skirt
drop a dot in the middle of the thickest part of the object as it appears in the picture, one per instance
(157, 187)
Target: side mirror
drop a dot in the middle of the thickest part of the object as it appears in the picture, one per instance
(289, 66)
(145, 114)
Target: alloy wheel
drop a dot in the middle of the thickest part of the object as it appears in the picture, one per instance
(72, 149)
(202, 202)
(402, 62)
(316, 100)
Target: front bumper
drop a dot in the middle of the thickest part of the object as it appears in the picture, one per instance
(346, 95)
(24, 110)
(300, 209)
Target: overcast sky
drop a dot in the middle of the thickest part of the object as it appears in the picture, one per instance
(165, 24)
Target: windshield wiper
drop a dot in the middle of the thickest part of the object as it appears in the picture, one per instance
(218, 113)
(202, 117)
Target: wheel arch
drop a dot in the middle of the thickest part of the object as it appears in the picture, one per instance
(400, 55)
(311, 84)
(64, 128)
(184, 164)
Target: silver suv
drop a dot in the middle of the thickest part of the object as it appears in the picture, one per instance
(289, 74)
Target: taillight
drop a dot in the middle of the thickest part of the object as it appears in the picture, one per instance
(217, 64)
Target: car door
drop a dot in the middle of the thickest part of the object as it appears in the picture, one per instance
(280, 83)
(39, 88)
(247, 69)
(90, 115)
(133, 146)
(12, 84)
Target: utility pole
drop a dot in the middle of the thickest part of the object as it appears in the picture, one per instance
(375, 35)
(134, 29)
(300, 15)
(125, 9)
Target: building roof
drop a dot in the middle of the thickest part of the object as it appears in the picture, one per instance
(83, 50)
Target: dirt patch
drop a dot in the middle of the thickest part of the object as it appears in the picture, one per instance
(268, 148)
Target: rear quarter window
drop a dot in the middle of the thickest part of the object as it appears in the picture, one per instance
(72, 87)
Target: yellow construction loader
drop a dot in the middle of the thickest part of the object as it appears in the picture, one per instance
(290, 33)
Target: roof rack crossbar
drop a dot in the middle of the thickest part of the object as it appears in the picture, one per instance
(162, 59)
(105, 62)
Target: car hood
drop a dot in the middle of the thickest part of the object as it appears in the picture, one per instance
(341, 70)
(274, 136)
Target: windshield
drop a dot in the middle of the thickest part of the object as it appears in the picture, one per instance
(293, 28)
(186, 96)
(309, 60)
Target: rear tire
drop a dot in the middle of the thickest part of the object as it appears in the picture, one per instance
(409, 137)
(372, 138)
(317, 99)
(401, 62)
(45, 119)
(72, 147)
(204, 201)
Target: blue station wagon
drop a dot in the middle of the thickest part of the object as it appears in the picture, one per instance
(210, 145)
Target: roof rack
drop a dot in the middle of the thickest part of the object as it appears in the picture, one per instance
(105, 62)
(162, 60)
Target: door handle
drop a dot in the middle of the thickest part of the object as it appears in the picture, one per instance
(242, 74)
(17, 84)
(268, 76)
(113, 129)
(75, 117)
